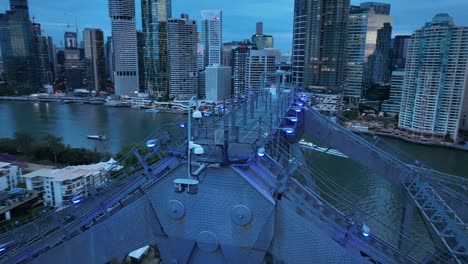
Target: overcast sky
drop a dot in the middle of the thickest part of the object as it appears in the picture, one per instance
(239, 16)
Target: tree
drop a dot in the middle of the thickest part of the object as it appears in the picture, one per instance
(448, 138)
(24, 142)
(55, 145)
(351, 114)
(8, 146)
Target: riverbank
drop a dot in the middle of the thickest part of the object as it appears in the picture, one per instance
(413, 141)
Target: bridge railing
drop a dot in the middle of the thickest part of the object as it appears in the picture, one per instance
(349, 202)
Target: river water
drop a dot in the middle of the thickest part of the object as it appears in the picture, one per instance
(73, 122)
(381, 200)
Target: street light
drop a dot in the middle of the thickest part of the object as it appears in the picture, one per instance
(261, 152)
(197, 115)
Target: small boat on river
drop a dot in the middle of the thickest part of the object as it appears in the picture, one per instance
(97, 137)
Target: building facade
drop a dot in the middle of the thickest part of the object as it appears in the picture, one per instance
(16, 40)
(319, 38)
(95, 63)
(258, 62)
(364, 25)
(122, 14)
(260, 40)
(154, 17)
(109, 59)
(141, 62)
(239, 60)
(378, 67)
(434, 98)
(212, 36)
(218, 82)
(43, 52)
(10, 176)
(399, 51)
(182, 53)
(74, 63)
(61, 186)
(392, 106)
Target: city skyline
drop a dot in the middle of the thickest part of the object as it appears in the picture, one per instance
(240, 16)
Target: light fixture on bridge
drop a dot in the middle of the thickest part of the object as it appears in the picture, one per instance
(197, 149)
(151, 143)
(292, 118)
(288, 130)
(183, 125)
(261, 152)
(299, 103)
(365, 230)
(296, 108)
(77, 199)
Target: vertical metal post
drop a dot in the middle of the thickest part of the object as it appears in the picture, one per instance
(271, 122)
(244, 114)
(406, 223)
(233, 117)
(189, 137)
(252, 107)
(224, 106)
(269, 100)
(278, 109)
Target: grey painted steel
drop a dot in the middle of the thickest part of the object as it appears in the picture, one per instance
(247, 208)
(447, 229)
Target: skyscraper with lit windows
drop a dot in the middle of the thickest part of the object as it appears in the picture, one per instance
(319, 37)
(154, 21)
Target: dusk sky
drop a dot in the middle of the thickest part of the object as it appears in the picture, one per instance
(239, 16)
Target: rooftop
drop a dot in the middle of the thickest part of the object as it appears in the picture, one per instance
(4, 164)
(69, 173)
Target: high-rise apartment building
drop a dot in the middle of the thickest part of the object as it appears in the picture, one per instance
(16, 40)
(154, 18)
(319, 38)
(262, 41)
(212, 36)
(434, 98)
(122, 14)
(364, 25)
(399, 51)
(182, 53)
(95, 63)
